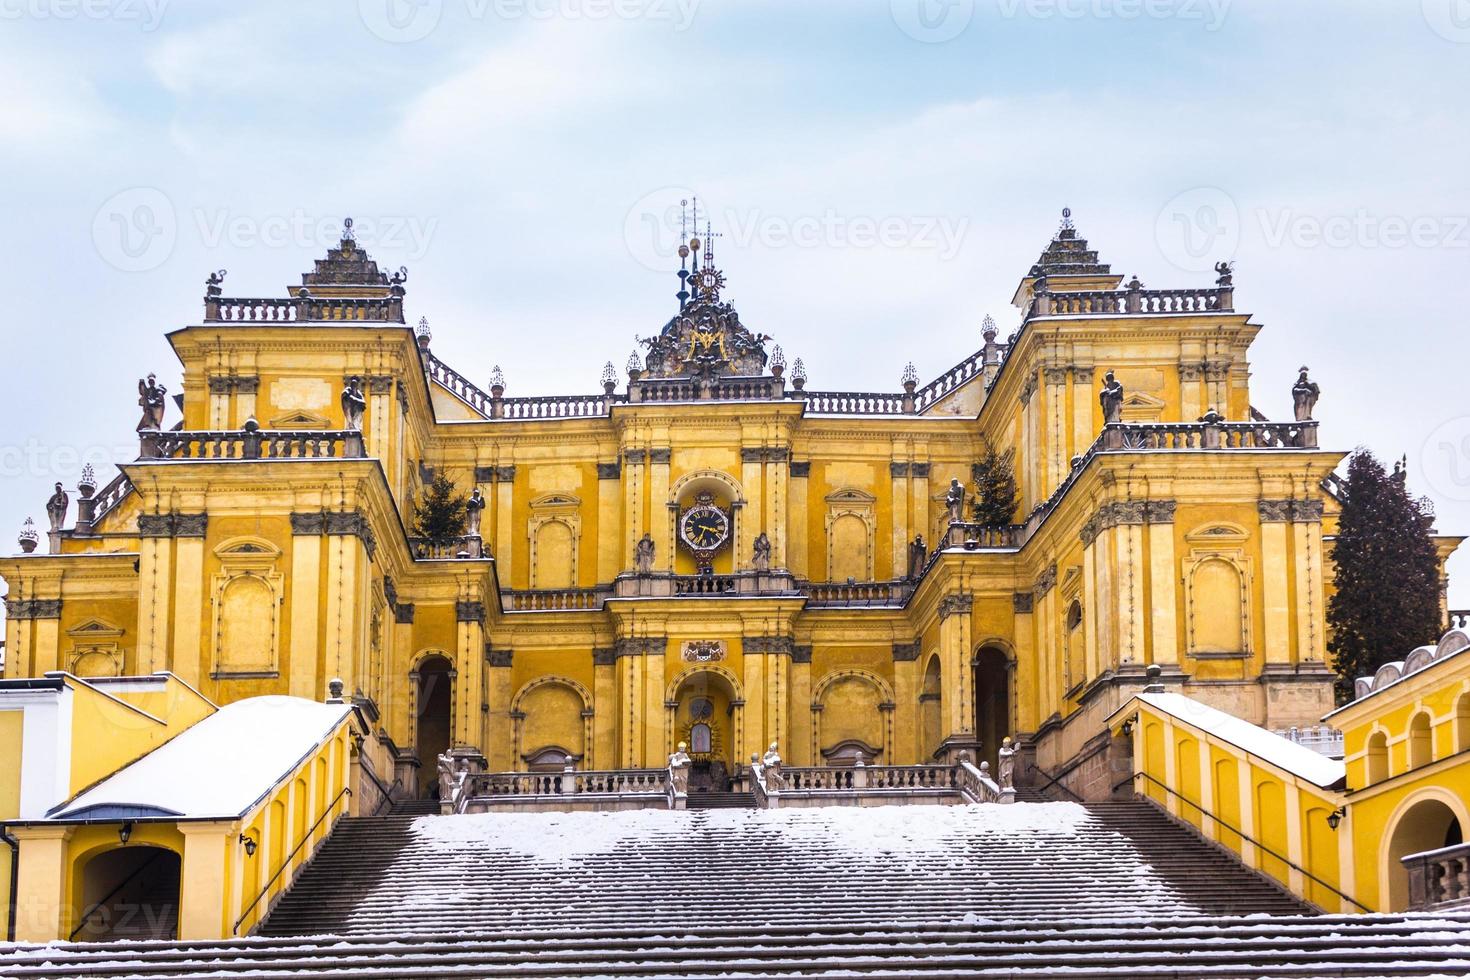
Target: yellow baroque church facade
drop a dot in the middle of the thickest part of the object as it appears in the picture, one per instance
(705, 550)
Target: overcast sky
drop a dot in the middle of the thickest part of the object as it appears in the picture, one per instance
(883, 172)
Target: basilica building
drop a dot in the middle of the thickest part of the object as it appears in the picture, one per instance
(705, 550)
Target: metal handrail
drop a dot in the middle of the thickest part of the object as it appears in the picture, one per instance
(1053, 781)
(286, 863)
(1243, 836)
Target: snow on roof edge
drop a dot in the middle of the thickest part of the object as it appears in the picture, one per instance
(1252, 739)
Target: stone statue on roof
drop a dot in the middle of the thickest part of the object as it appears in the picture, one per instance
(954, 501)
(151, 398)
(56, 508)
(473, 508)
(1304, 395)
(354, 404)
(1111, 399)
(643, 554)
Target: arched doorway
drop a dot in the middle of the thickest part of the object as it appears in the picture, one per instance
(704, 718)
(129, 893)
(1425, 826)
(432, 723)
(931, 711)
(992, 701)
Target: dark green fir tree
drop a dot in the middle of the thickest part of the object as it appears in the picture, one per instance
(995, 488)
(440, 517)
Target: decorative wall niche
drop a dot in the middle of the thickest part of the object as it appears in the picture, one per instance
(246, 609)
(95, 650)
(850, 534)
(1217, 576)
(555, 535)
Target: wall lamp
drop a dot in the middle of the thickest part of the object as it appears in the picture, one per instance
(1335, 817)
(125, 831)
(250, 845)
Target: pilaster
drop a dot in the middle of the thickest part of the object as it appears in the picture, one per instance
(1163, 584)
(41, 912)
(1084, 402)
(777, 464)
(658, 496)
(751, 464)
(800, 515)
(899, 494)
(306, 599)
(1276, 570)
(955, 613)
(498, 724)
(469, 615)
(155, 591)
(610, 557)
(1056, 427)
(203, 904)
(185, 661)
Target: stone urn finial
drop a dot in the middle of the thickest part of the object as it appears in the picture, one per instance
(777, 362)
(423, 334)
(334, 690)
(910, 378)
(497, 382)
(609, 378)
(87, 485)
(28, 536)
(798, 375)
(634, 367)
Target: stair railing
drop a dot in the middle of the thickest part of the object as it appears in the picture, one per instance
(1237, 832)
(1053, 781)
(286, 863)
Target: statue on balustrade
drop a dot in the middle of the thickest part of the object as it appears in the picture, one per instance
(679, 763)
(762, 558)
(447, 776)
(954, 501)
(151, 397)
(56, 508)
(1007, 768)
(354, 404)
(473, 508)
(771, 763)
(643, 555)
(1111, 398)
(918, 554)
(1304, 395)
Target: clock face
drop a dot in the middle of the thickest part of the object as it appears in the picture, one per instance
(704, 528)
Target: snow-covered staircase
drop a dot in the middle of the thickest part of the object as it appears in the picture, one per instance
(1044, 889)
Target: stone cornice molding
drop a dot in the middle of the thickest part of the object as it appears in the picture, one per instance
(172, 525)
(956, 604)
(32, 609)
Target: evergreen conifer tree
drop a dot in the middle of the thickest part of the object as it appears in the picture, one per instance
(995, 488)
(1387, 578)
(440, 518)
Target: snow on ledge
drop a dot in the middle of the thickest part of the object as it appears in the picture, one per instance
(221, 766)
(1279, 751)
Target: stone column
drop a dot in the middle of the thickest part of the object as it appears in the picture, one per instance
(220, 388)
(955, 613)
(203, 903)
(776, 505)
(1163, 582)
(155, 590)
(751, 466)
(469, 614)
(1307, 547)
(498, 721)
(189, 596)
(633, 509)
(899, 495)
(1030, 453)
(799, 728)
(1276, 569)
(246, 390)
(919, 501)
(1084, 404)
(505, 533)
(795, 556)
(1030, 712)
(41, 912)
(611, 556)
(605, 703)
(1056, 427)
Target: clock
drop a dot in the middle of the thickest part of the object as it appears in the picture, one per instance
(704, 529)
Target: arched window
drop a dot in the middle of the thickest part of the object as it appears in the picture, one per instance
(1377, 758)
(1074, 616)
(1421, 741)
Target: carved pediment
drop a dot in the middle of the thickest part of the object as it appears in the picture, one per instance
(850, 496)
(299, 420)
(95, 629)
(556, 501)
(1217, 534)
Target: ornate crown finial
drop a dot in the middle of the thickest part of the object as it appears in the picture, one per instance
(347, 234)
(987, 327)
(28, 536)
(423, 328)
(910, 374)
(635, 364)
(1067, 220)
(497, 378)
(609, 375)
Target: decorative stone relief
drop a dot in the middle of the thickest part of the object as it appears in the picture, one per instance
(702, 651)
(498, 658)
(33, 608)
(609, 471)
(906, 651)
(403, 612)
(1045, 582)
(767, 644)
(958, 604)
(801, 470)
(469, 612)
(1022, 602)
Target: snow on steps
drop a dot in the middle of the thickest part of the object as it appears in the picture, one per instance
(736, 868)
(1316, 946)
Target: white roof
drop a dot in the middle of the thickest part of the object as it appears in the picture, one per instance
(219, 768)
(1280, 752)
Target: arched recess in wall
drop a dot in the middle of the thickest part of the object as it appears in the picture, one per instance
(1217, 592)
(994, 666)
(129, 893)
(552, 713)
(852, 705)
(1377, 757)
(729, 496)
(1432, 818)
(555, 533)
(431, 719)
(1462, 723)
(1421, 741)
(931, 709)
(850, 535)
(246, 597)
(96, 649)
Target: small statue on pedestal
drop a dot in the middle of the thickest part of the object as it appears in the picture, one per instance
(771, 763)
(918, 554)
(354, 404)
(762, 557)
(473, 508)
(643, 555)
(954, 502)
(1304, 395)
(151, 396)
(679, 763)
(1111, 398)
(56, 508)
(447, 776)
(1007, 764)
